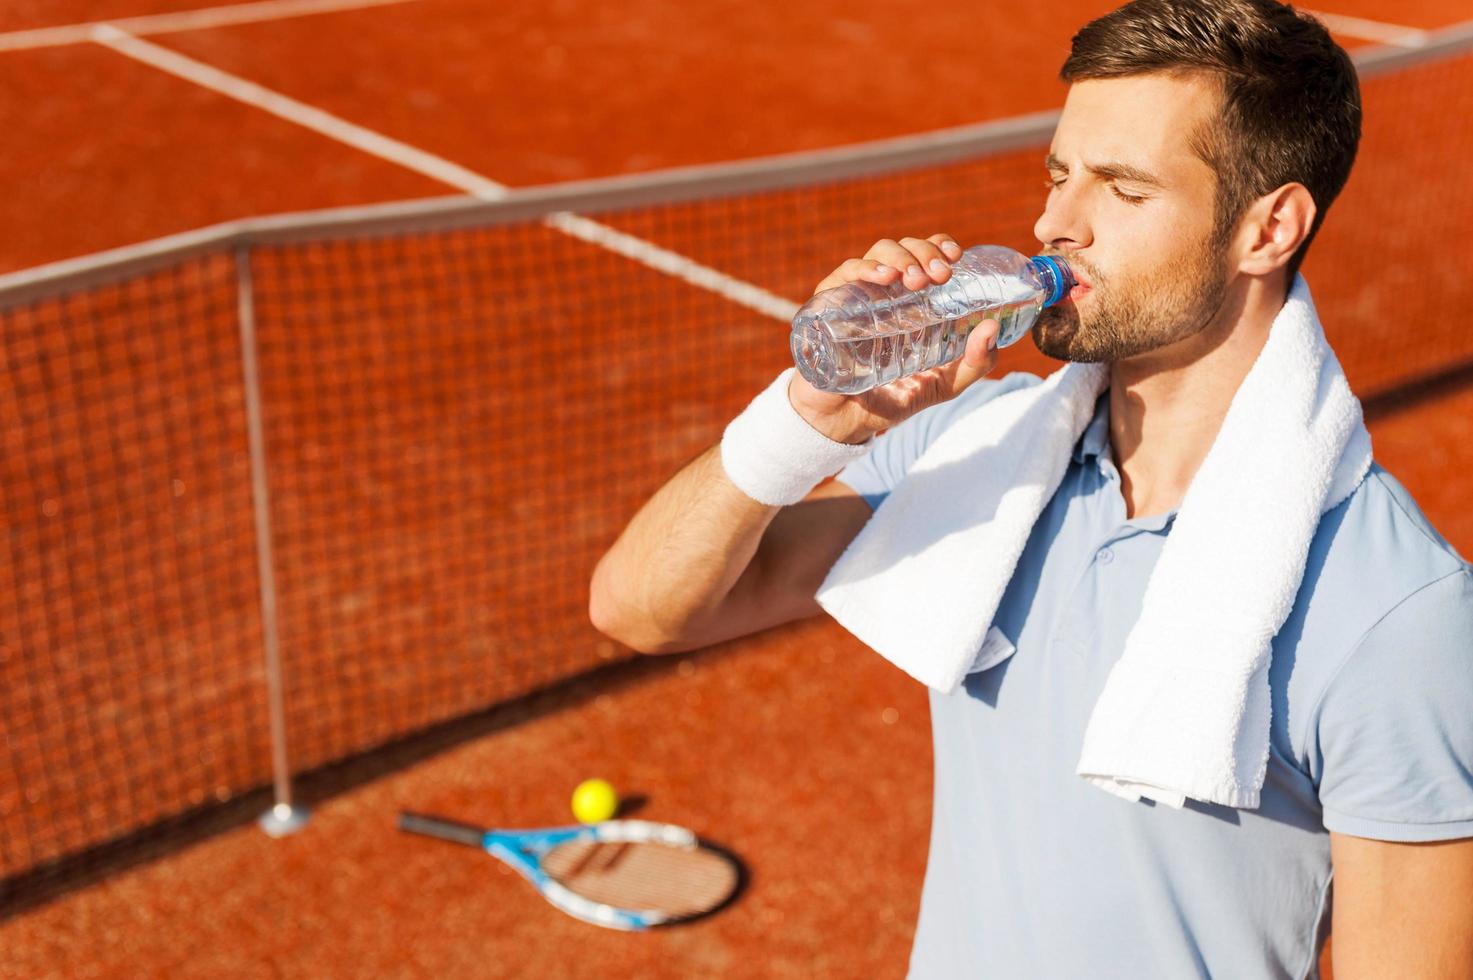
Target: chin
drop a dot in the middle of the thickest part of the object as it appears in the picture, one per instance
(1056, 332)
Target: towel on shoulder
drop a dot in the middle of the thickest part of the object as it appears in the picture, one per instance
(1185, 710)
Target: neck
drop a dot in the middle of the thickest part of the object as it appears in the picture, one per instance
(1167, 406)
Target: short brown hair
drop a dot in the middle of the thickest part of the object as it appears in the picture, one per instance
(1290, 100)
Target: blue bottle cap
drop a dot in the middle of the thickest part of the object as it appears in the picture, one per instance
(1055, 275)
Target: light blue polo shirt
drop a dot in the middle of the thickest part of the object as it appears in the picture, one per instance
(1033, 872)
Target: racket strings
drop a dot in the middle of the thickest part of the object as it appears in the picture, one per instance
(643, 875)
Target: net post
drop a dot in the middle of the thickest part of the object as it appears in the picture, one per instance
(285, 816)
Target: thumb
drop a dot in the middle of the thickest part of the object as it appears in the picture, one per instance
(979, 357)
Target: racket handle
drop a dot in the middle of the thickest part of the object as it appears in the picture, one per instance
(460, 833)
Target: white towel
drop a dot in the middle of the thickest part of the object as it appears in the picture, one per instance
(1185, 710)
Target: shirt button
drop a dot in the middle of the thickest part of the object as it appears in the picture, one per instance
(1105, 556)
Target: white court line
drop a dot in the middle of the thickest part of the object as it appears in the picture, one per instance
(437, 168)
(1371, 30)
(306, 116)
(183, 20)
(673, 263)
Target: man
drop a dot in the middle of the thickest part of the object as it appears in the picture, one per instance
(1199, 147)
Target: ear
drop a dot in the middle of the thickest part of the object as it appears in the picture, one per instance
(1274, 228)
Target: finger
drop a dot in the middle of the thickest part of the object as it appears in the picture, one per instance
(928, 256)
(853, 270)
(890, 252)
(911, 266)
(948, 246)
(872, 271)
(979, 357)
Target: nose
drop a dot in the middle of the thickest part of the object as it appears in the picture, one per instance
(1064, 223)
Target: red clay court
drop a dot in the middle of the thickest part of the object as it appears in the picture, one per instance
(141, 753)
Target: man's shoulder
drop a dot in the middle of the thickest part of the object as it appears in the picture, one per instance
(926, 426)
(1380, 532)
(983, 392)
(874, 475)
(1373, 553)
(1375, 672)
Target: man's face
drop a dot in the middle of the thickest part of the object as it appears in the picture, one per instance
(1131, 209)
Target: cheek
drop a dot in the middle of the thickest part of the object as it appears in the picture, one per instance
(1184, 230)
(1154, 243)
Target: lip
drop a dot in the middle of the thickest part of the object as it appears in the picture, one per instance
(1080, 291)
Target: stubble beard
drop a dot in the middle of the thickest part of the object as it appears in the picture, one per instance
(1130, 317)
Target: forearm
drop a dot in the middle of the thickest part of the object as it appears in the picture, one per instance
(679, 558)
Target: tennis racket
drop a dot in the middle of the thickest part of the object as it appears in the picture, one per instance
(623, 874)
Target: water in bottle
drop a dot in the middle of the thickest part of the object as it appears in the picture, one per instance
(860, 335)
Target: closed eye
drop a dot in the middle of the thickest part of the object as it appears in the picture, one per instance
(1055, 183)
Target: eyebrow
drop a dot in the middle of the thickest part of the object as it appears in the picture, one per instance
(1110, 171)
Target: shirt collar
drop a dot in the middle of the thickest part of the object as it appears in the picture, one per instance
(1096, 438)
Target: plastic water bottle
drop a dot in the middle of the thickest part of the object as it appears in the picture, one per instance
(861, 335)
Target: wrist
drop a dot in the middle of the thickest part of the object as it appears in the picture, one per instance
(776, 456)
(833, 427)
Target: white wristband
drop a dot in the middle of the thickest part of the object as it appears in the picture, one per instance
(774, 456)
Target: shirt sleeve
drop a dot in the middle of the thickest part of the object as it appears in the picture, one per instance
(1396, 722)
(875, 474)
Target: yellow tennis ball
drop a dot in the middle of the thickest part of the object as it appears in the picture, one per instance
(594, 800)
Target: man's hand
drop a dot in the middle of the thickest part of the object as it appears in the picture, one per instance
(918, 264)
(1402, 910)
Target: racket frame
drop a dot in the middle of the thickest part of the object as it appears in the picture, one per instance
(523, 850)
